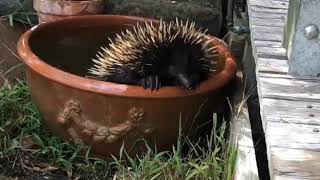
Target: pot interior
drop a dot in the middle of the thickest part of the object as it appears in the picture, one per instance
(71, 46)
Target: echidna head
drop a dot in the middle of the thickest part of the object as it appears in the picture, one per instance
(179, 70)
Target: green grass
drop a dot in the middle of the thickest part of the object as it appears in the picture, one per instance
(20, 121)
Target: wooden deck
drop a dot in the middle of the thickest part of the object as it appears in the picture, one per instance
(246, 166)
(289, 106)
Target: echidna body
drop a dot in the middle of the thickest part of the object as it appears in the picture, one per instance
(170, 54)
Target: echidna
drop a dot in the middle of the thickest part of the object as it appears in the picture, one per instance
(169, 54)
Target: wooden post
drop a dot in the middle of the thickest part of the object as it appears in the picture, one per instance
(302, 39)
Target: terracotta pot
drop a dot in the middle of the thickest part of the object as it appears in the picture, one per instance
(104, 114)
(51, 10)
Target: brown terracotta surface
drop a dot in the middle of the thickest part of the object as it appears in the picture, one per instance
(51, 10)
(104, 114)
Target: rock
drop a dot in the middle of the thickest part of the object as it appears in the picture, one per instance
(8, 6)
(28, 5)
(21, 10)
(206, 13)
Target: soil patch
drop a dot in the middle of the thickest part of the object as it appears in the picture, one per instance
(27, 167)
(10, 67)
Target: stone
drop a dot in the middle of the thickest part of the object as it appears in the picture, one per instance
(206, 13)
(21, 10)
(8, 6)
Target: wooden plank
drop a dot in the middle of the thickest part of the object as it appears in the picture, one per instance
(282, 0)
(273, 50)
(293, 136)
(293, 151)
(254, 8)
(264, 2)
(288, 111)
(292, 164)
(275, 37)
(286, 76)
(265, 43)
(272, 65)
(246, 166)
(269, 22)
(266, 29)
(269, 4)
(266, 16)
(270, 52)
(290, 89)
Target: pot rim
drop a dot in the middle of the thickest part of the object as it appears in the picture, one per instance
(59, 76)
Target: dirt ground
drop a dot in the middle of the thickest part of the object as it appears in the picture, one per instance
(10, 67)
(27, 167)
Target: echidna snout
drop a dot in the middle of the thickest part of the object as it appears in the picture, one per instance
(180, 69)
(176, 73)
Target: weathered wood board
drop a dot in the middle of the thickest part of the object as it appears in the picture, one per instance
(268, 65)
(246, 165)
(289, 106)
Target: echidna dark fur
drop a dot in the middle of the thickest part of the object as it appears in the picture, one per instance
(170, 54)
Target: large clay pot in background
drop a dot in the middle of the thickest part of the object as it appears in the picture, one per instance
(51, 10)
(104, 114)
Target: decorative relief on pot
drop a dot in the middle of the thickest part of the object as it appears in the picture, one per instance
(84, 128)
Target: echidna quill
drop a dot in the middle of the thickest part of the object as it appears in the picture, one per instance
(170, 54)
